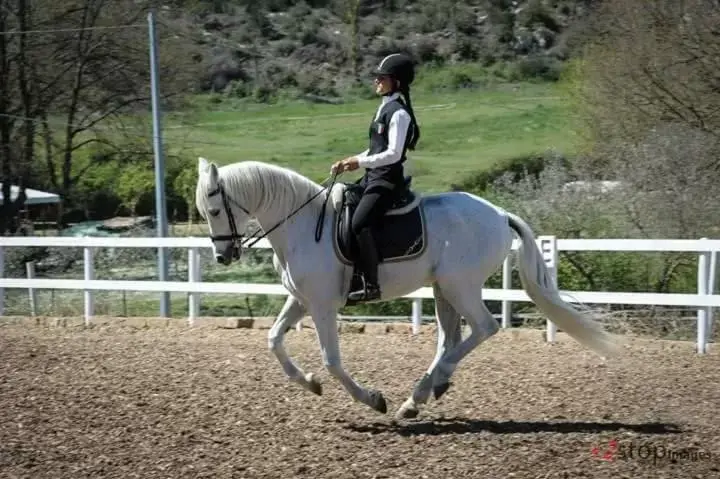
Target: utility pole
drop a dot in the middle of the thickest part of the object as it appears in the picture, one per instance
(160, 205)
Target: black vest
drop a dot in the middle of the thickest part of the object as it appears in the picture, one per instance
(389, 176)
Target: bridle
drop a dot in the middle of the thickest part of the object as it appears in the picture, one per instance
(238, 238)
(234, 236)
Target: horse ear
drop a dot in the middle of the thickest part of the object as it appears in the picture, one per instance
(214, 174)
(203, 165)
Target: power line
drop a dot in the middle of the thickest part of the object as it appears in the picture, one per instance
(57, 30)
(57, 123)
(127, 132)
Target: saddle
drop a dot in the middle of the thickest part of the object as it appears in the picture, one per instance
(399, 236)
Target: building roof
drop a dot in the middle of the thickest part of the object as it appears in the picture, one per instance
(34, 197)
(603, 186)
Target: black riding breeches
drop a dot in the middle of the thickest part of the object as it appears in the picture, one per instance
(372, 206)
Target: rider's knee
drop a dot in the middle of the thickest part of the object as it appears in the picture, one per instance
(357, 225)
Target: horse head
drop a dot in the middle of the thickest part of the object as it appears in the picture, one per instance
(225, 216)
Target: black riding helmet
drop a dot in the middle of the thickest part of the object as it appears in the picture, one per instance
(399, 66)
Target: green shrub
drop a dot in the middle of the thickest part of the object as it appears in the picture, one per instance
(535, 13)
(518, 168)
(536, 67)
(451, 78)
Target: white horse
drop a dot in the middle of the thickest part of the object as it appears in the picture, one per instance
(465, 241)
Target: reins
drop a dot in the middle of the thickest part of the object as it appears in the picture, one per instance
(235, 236)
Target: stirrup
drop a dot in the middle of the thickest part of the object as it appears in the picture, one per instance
(369, 293)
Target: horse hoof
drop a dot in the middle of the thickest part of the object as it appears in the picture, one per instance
(408, 413)
(377, 402)
(314, 385)
(438, 391)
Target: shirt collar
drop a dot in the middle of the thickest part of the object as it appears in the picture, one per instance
(385, 100)
(388, 98)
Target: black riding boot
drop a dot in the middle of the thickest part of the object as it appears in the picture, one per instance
(369, 265)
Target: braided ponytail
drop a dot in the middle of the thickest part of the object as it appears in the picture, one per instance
(405, 90)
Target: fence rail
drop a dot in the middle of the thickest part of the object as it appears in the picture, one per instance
(549, 246)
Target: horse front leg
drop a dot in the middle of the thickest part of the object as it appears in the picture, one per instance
(291, 313)
(325, 320)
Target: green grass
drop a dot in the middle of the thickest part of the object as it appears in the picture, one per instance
(472, 130)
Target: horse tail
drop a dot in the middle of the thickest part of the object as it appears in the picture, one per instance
(539, 285)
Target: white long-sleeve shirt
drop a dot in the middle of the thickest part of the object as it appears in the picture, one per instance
(397, 132)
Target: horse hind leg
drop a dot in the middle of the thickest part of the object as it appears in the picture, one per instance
(452, 321)
(449, 335)
(466, 299)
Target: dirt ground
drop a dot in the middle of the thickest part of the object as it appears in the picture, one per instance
(128, 402)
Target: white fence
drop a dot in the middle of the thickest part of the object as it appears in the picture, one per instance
(704, 300)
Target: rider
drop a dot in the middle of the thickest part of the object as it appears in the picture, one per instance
(393, 131)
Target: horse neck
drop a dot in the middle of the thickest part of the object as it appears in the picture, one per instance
(278, 197)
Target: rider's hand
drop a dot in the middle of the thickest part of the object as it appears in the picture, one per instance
(348, 164)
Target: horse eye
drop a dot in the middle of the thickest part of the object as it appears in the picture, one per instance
(214, 211)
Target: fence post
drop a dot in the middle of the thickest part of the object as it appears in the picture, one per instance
(548, 249)
(416, 315)
(193, 277)
(30, 271)
(89, 275)
(2, 275)
(711, 290)
(506, 284)
(702, 289)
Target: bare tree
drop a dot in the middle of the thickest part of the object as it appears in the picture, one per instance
(650, 92)
(647, 63)
(351, 15)
(79, 74)
(669, 184)
(14, 157)
(565, 202)
(107, 77)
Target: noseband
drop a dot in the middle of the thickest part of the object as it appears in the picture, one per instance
(238, 239)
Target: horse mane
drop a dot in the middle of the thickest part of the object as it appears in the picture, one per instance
(261, 186)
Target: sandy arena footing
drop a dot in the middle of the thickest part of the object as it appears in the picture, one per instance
(148, 398)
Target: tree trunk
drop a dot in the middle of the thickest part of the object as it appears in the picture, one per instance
(9, 208)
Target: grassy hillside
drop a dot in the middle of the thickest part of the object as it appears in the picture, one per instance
(257, 47)
(462, 132)
(288, 82)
